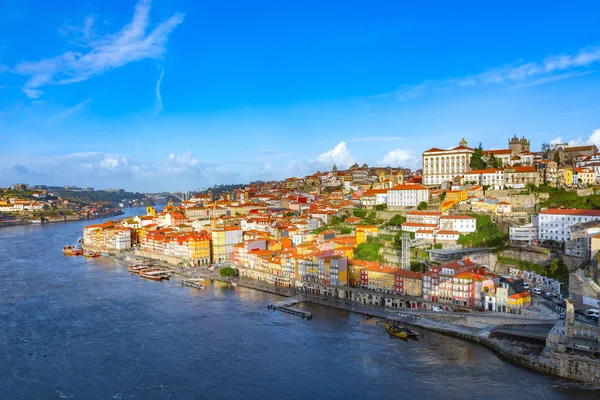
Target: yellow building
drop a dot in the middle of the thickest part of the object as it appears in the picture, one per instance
(364, 231)
(198, 248)
(380, 279)
(457, 195)
(518, 300)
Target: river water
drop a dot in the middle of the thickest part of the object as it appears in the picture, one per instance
(76, 328)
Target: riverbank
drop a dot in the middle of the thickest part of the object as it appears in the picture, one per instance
(459, 325)
(66, 218)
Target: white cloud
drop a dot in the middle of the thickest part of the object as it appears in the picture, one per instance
(399, 158)
(131, 43)
(114, 163)
(32, 93)
(594, 139)
(522, 72)
(550, 69)
(339, 155)
(181, 163)
(159, 105)
(69, 111)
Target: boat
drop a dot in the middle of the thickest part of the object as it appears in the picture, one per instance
(138, 268)
(72, 251)
(409, 332)
(395, 332)
(90, 254)
(156, 275)
(233, 284)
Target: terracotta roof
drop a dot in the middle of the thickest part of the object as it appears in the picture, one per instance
(448, 233)
(561, 211)
(409, 187)
(426, 213)
(457, 217)
(418, 224)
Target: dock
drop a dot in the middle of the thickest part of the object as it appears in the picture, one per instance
(286, 307)
(194, 283)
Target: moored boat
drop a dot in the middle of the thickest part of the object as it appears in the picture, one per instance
(138, 268)
(399, 328)
(395, 332)
(90, 254)
(155, 275)
(72, 251)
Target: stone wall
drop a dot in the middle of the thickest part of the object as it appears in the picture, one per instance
(580, 286)
(584, 192)
(577, 368)
(528, 255)
(489, 260)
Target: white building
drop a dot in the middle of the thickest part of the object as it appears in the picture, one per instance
(492, 177)
(555, 224)
(407, 196)
(443, 165)
(424, 217)
(460, 223)
(523, 235)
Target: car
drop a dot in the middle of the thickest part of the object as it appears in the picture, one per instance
(548, 294)
(437, 309)
(525, 285)
(592, 312)
(536, 290)
(561, 315)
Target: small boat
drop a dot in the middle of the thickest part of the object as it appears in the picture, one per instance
(233, 284)
(72, 251)
(409, 332)
(138, 268)
(395, 332)
(156, 275)
(89, 254)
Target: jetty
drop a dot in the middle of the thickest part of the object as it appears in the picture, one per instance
(286, 307)
(194, 283)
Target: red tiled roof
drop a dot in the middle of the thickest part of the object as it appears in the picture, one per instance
(409, 187)
(561, 211)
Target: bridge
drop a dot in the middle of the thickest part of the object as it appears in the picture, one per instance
(528, 331)
(183, 196)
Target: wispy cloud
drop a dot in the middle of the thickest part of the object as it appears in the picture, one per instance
(521, 74)
(158, 107)
(555, 78)
(131, 43)
(62, 115)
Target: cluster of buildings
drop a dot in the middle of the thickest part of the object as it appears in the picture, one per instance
(40, 201)
(513, 168)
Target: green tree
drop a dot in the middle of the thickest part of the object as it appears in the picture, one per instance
(345, 231)
(422, 205)
(359, 213)
(397, 220)
(367, 251)
(227, 271)
(381, 207)
(477, 161)
(290, 214)
(493, 162)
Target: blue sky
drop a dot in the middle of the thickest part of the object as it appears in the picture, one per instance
(181, 94)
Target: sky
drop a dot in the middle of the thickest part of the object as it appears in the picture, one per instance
(169, 95)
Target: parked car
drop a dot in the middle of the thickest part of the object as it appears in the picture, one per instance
(536, 290)
(548, 294)
(592, 312)
(525, 285)
(437, 309)
(561, 315)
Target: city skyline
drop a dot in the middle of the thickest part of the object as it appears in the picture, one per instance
(171, 95)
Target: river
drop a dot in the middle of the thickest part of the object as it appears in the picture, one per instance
(77, 328)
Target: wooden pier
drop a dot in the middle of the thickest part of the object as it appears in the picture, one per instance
(286, 307)
(194, 283)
